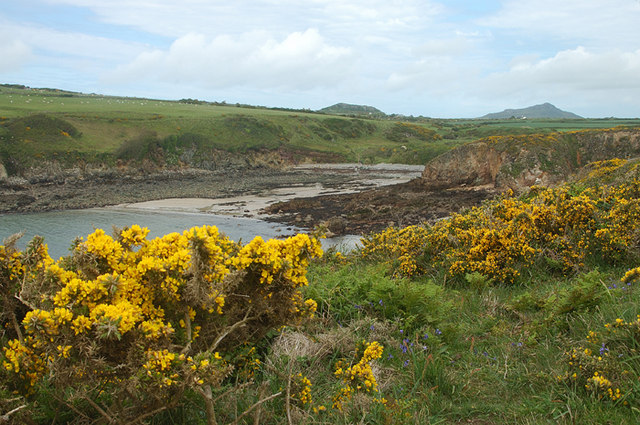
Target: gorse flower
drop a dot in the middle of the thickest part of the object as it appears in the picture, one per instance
(499, 239)
(124, 311)
(601, 368)
(359, 376)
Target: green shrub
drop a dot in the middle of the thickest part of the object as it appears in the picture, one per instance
(42, 128)
(127, 327)
(355, 290)
(140, 147)
(403, 132)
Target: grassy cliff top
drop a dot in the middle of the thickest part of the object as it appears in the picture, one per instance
(50, 123)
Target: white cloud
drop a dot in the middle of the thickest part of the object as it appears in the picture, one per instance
(14, 53)
(444, 47)
(588, 82)
(301, 60)
(409, 56)
(436, 76)
(439, 66)
(602, 23)
(575, 70)
(69, 44)
(214, 17)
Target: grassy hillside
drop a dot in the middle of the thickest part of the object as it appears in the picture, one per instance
(38, 124)
(521, 311)
(33, 122)
(348, 109)
(466, 130)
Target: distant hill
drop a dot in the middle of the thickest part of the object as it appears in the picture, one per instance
(545, 110)
(348, 109)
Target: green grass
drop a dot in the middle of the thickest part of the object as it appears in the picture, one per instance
(456, 350)
(482, 357)
(472, 129)
(456, 354)
(106, 123)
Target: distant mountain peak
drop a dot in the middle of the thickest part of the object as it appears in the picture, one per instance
(544, 110)
(349, 109)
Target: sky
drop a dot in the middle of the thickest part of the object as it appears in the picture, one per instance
(434, 58)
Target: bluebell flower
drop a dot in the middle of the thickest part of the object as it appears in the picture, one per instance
(603, 349)
(438, 332)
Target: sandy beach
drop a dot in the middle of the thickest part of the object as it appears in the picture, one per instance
(252, 205)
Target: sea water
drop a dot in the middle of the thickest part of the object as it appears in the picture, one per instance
(60, 228)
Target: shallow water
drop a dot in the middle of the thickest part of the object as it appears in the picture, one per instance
(60, 228)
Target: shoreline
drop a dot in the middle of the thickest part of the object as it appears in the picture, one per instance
(59, 193)
(346, 199)
(254, 205)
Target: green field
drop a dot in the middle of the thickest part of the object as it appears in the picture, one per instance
(105, 124)
(54, 124)
(467, 130)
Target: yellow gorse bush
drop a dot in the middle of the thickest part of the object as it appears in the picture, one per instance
(126, 312)
(359, 376)
(562, 226)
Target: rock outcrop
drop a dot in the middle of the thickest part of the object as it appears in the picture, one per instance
(519, 162)
(473, 164)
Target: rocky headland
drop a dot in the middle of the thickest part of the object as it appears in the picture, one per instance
(463, 178)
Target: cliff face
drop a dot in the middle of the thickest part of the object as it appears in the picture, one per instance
(518, 162)
(216, 161)
(474, 164)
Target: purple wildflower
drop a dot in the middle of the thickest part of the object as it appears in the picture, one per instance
(603, 349)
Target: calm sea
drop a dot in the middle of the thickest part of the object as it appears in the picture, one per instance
(60, 228)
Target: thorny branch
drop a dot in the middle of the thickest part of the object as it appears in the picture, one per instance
(232, 328)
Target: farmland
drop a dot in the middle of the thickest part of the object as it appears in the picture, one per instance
(34, 125)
